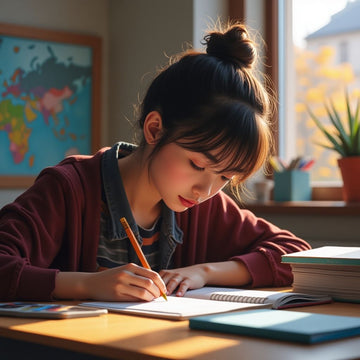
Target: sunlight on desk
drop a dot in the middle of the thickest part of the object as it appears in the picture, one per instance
(115, 336)
(109, 328)
(190, 347)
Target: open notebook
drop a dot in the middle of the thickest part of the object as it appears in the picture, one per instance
(175, 308)
(210, 300)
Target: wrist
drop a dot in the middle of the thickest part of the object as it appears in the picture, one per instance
(71, 285)
(207, 271)
(227, 273)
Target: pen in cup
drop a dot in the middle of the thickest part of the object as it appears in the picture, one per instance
(137, 247)
(298, 163)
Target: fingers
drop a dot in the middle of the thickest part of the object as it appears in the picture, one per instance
(183, 287)
(148, 279)
(175, 281)
(144, 279)
(137, 284)
(126, 283)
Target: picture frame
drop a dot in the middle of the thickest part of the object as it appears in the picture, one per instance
(50, 99)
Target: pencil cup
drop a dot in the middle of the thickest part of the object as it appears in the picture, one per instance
(292, 185)
(263, 190)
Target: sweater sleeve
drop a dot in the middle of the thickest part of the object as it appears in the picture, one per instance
(31, 238)
(53, 226)
(218, 230)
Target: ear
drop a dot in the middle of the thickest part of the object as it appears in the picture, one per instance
(152, 127)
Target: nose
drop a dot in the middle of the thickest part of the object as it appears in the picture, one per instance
(204, 188)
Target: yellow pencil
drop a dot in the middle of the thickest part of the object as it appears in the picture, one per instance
(137, 247)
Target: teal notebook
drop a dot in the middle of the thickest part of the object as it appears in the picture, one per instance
(284, 325)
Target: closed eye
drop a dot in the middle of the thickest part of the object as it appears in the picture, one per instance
(198, 168)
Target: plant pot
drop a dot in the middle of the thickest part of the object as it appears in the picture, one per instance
(350, 172)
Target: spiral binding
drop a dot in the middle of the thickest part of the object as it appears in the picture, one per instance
(238, 298)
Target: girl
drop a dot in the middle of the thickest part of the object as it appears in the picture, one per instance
(204, 122)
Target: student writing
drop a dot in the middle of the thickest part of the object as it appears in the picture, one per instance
(203, 125)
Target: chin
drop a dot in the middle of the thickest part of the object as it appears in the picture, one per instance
(177, 207)
(183, 209)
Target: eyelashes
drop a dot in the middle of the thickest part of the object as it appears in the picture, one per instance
(198, 168)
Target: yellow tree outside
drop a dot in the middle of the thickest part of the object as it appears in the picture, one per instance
(319, 80)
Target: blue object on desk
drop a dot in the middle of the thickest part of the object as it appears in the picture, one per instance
(292, 185)
(284, 325)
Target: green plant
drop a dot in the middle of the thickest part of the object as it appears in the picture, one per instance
(345, 137)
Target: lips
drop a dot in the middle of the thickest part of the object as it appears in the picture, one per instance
(187, 203)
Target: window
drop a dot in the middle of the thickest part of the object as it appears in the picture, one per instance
(294, 132)
(314, 46)
(316, 40)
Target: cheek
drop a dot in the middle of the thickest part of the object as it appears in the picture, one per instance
(172, 171)
(171, 168)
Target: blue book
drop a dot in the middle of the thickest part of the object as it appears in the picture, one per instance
(284, 325)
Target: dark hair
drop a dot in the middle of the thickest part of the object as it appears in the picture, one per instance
(212, 102)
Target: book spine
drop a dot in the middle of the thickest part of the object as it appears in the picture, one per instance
(238, 298)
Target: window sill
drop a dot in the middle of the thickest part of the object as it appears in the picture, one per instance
(305, 207)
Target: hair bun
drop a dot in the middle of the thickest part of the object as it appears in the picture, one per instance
(233, 45)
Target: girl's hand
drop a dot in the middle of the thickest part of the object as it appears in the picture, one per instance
(129, 282)
(226, 273)
(183, 279)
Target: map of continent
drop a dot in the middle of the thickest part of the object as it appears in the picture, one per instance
(45, 103)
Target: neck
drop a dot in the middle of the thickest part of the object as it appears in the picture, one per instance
(143, 197)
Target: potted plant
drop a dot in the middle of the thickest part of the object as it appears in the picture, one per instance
(344, 138)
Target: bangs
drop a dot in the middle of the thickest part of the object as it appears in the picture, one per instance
(231, 134)
(235, 151)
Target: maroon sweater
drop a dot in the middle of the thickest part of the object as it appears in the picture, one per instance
(55, 225)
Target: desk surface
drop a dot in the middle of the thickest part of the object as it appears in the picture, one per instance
(116, 336)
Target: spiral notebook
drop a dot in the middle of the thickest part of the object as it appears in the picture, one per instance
(276, 299)
(211, 300)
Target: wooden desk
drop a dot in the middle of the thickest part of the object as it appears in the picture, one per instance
(116, 336)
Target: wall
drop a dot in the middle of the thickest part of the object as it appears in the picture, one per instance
(142, 34)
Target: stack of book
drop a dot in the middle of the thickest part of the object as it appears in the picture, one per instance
(330, 270)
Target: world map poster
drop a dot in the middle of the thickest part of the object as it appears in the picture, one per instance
(45, 103)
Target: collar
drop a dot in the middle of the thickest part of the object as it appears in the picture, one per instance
(117, 201)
